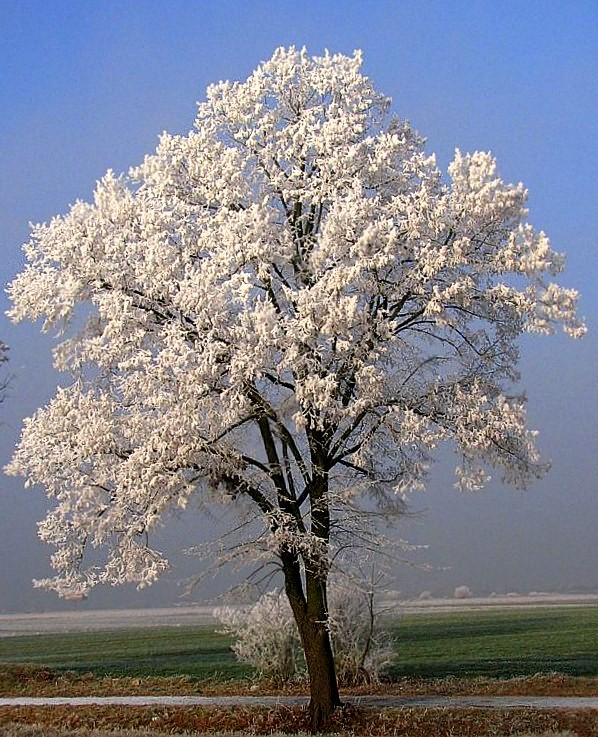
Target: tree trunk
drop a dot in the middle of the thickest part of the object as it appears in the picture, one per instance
(311, 615)
(324, 696)
(307, 594)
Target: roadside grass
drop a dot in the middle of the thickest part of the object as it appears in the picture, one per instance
(18, 730)
(40, 730)
(346, 722)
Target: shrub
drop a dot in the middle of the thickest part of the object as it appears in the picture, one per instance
(266, 636)
(361, 648)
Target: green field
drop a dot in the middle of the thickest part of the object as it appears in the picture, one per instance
(199, 652)
(501, 643)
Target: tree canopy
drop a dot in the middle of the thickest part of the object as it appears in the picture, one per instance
(289, 306)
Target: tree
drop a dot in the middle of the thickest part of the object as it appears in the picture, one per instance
(289, 308)
(5, 380)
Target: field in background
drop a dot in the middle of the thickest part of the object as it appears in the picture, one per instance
(497, 643)
(465, 643)
(199, 652)
(82, 619)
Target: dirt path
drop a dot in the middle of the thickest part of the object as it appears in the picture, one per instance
(394, 702)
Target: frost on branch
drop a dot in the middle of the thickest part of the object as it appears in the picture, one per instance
(289, 307)
(4, 380)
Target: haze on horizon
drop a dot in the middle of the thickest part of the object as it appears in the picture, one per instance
(87, 88)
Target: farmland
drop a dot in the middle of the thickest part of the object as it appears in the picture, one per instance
(465, 642)
(547, 650)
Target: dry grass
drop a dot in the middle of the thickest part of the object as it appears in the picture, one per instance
(97, 721)
(34, 730)
(349, 721)
(23, 680)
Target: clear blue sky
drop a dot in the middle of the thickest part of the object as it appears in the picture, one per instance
(87, 86)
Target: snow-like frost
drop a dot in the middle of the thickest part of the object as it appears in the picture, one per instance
(288, 306)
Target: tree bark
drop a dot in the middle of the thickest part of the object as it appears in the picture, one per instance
(311, 615)
(323, 687)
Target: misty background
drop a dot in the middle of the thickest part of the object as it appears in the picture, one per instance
(89, 86)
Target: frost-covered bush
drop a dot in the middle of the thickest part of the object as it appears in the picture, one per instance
(266, 636)
(362, 649)
(463, 592)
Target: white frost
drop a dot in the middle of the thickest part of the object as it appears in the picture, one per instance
(288, 306)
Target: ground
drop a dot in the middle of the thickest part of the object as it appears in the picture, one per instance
(159, 721)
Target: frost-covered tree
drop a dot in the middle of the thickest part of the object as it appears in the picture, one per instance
(289, 307)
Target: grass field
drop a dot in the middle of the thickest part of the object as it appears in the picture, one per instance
(199, 652)
(499, 644)
(466, 644)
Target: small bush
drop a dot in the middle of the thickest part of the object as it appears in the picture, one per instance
(266, 636)
(362, 650)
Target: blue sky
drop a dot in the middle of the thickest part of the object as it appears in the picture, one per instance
(87, 86)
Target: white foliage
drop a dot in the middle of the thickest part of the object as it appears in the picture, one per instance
(290, 305)
(362, 648)
(266, 635)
